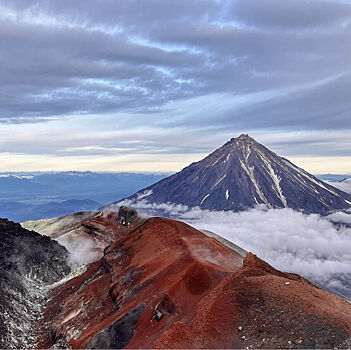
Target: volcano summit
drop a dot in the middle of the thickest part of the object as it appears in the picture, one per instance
(241, 174)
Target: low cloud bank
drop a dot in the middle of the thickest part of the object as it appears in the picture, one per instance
(344, 185)
(341, 217)
(310, 245)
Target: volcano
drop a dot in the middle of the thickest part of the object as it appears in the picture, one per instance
(242, 174)
(160, 283)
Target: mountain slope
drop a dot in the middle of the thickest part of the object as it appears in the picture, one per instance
(162, 284)
(30, 264)
(241, 174)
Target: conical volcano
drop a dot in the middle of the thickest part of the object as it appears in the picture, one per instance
(242, 174)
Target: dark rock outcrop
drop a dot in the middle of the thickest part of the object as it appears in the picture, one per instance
(240, 175)
(126, 216)
(29, 264)
(119, 334)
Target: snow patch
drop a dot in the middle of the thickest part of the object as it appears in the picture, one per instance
(276, 180)
(27, 177)
(226, 194)
(71, 315)
(247, 153)
(203, 199)
(250, 172)
(318, 183)
(217, 160)
(219, 180)
(144, 194)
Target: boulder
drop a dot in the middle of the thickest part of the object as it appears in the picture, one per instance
(126, 216)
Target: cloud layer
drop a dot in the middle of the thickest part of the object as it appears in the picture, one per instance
(153, 71)
(86, 57)
(344, 185)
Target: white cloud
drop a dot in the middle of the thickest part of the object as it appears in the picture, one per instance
(340, 217)
(344, 185)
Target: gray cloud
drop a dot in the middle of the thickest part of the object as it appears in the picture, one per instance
(208, 66)
(287, 14)
(77, 57)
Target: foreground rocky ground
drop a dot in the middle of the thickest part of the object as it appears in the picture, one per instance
(30, 264)
(159, 283)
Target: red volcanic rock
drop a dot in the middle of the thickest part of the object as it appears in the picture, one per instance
(258, 306)
(99, 231)
(163, 284)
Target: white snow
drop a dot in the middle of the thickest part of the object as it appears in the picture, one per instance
(203, 199)
(144, 194)
(321, 185)
(226, 194)
(275, 178)
(248, 152)
(219, 180)
(28, 177)
(27, 310)
(311, 179)
(250, 172)
(217, 160)
(303, 173)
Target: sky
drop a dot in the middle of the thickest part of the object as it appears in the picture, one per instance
(153, 85)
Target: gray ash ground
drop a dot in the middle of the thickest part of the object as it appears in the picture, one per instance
(30, 263)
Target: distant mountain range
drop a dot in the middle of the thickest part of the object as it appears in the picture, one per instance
(32, 196)
(23, 212)
(242, 174)
(35, 195)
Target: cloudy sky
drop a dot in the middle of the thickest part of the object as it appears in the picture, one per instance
(155, 84)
